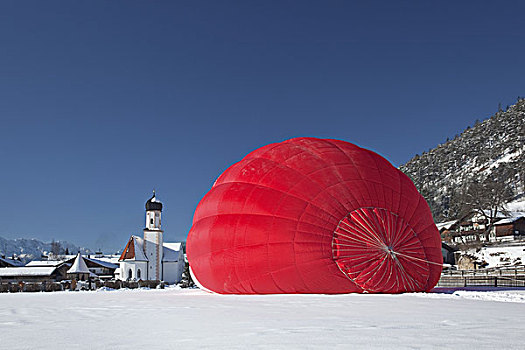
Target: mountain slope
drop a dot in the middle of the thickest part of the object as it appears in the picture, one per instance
(31, 249)
(493, 148)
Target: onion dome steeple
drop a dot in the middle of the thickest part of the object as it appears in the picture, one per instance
(153, 203)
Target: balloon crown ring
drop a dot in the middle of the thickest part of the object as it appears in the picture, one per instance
(378, 250)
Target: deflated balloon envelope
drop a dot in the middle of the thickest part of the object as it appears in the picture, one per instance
(311, 215)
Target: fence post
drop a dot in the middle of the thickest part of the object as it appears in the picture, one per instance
(495, 281)
(464, 281)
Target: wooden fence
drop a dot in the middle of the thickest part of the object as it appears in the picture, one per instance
(15, 287)
(500, 277)
(506, 277)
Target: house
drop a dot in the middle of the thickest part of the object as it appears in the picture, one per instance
(473, 228)
(5, 262)
(79, 270)
(446, 228)
(510, 228)
(448, 254)
(60, 266)
(149, 257)
(31, 274)
(102, 267)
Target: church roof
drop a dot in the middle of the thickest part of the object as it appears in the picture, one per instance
(134, 250)
(172, 251)
(79, 265)
(153, 203)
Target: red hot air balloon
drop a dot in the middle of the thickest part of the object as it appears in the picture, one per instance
(311, 215)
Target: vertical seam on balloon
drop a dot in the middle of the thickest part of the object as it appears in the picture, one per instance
(381, 177)
(353, 163)
(424, 249)
(268, 238)
(245, 272)
(293, 246)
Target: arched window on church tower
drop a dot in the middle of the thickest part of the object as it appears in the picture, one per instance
(138, 274)
(130, 274)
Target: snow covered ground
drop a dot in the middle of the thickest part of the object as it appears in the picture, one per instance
(500, 256)
(164, 319)
(518, 205)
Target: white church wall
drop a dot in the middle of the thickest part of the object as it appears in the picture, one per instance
(173, 271)
(133, 266)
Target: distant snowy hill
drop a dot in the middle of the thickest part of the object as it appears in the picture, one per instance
(494, 147)
(31, 249)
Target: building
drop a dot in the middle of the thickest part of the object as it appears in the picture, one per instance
(6, 262)
(149, 257)
(102, 266)
(79, 270)
(448, 254)
(31, 274)
(474, 228)
(103, 269)
(510, 228)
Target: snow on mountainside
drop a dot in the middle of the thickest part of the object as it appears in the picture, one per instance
(494, 147)
(30, 249)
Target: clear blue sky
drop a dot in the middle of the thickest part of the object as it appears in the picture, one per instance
(101, 101)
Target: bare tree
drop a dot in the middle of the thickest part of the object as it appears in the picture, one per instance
(56, 248)
(487, 198)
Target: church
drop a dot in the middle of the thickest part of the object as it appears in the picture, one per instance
(149, 257)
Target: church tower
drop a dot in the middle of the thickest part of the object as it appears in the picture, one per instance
(153, 241)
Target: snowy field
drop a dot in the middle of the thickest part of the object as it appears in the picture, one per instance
(501, 256)
(173, 318)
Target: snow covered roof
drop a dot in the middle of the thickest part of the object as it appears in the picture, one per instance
(113, 259)
(79, 266)
(508, 220)
(498, 215)
(176, 246)
(446, 225)
(47, 263)
(134, 250)
(172, 251)
(12, 262)
(103, 263)
(26, 271)
(517, 205)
